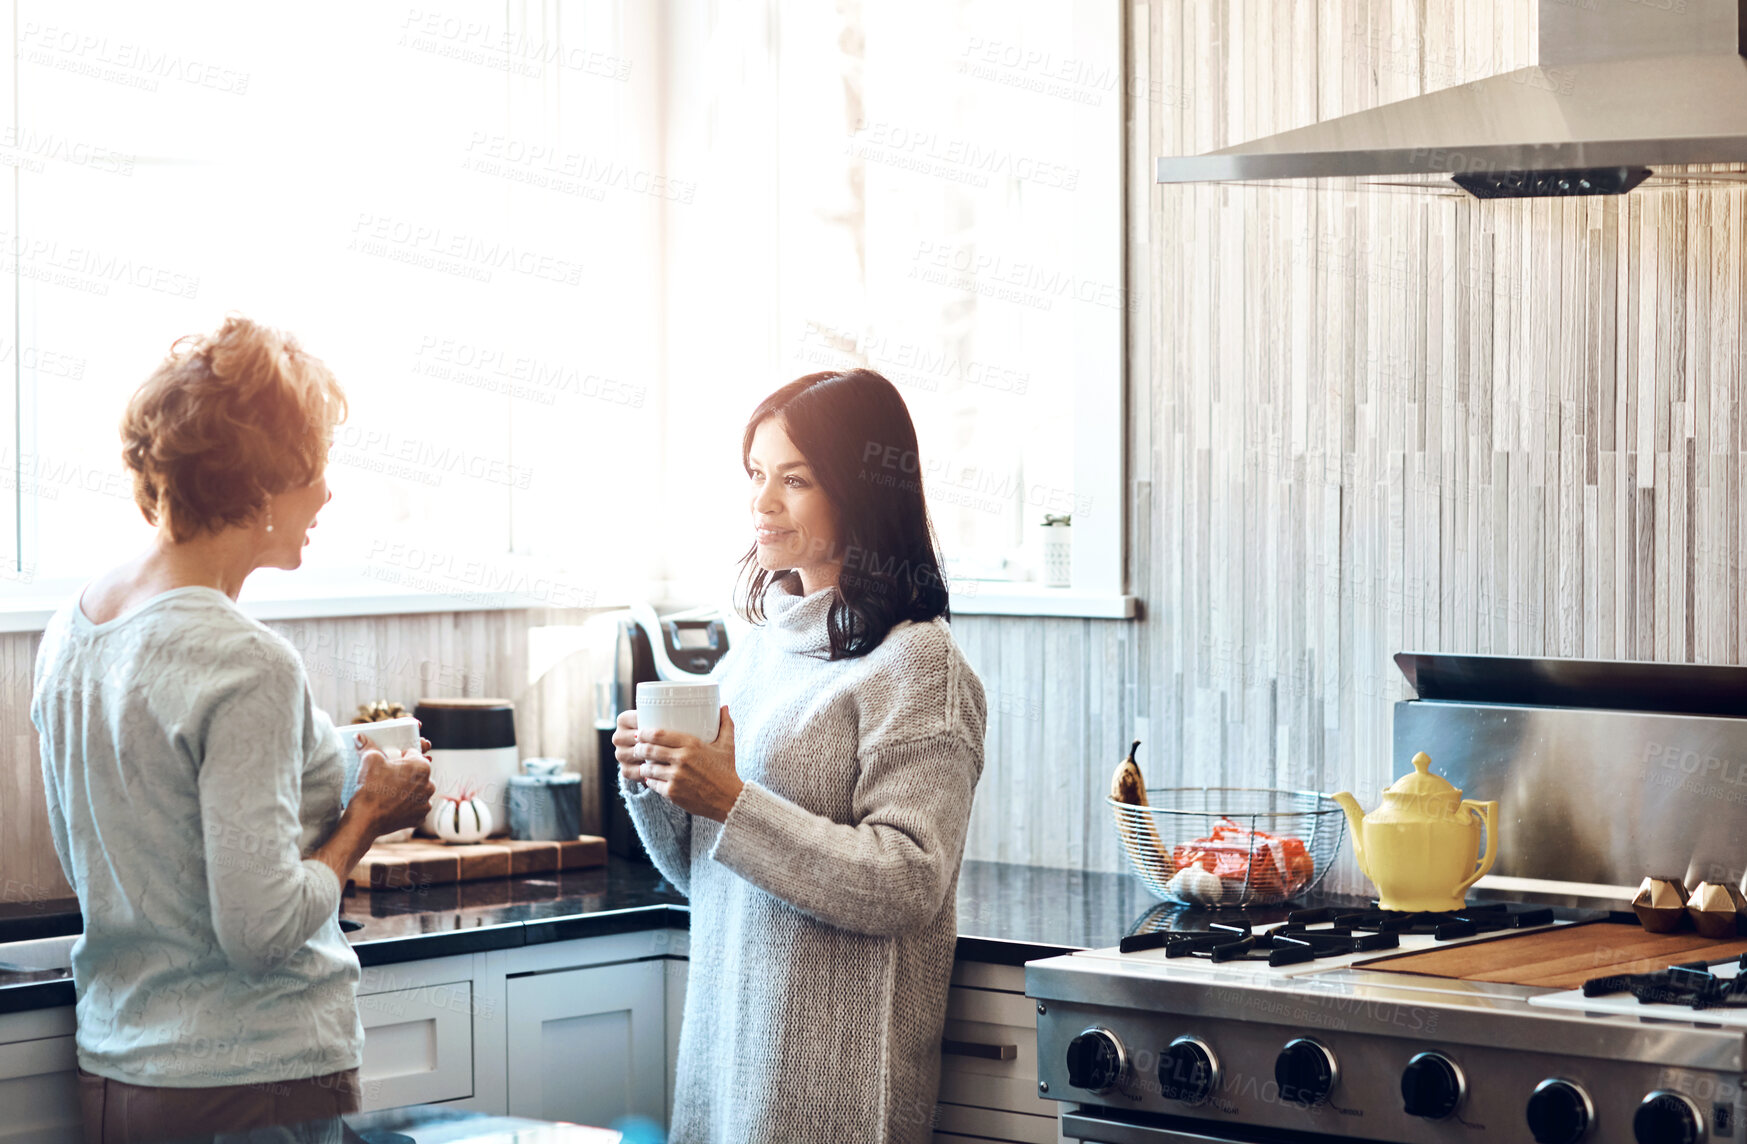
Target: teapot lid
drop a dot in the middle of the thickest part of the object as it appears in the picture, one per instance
(1423, 786)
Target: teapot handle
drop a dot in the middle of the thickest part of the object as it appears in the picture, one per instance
(1488, 814)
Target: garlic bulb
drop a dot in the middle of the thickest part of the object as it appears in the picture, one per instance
(1196, 886)
(459, 821)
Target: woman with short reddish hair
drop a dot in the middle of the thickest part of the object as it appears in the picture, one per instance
(194, 788)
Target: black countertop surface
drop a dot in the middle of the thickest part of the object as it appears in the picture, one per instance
(1006, 914)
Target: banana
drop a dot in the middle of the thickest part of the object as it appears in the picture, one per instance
(1141, 838)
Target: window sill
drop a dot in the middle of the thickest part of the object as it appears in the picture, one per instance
(339, 598)
(996, 598)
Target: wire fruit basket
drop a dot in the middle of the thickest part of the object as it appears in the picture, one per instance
(1228, 847)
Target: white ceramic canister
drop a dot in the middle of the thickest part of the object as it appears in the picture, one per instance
(691, 708)
(473, 751)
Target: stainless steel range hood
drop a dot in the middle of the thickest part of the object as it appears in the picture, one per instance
(1622, 89)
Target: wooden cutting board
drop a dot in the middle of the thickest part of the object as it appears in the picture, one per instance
(401, 865)
(1564, 957)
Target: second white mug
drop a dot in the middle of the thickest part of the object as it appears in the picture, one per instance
(690, 708)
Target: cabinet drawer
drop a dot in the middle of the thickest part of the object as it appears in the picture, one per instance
(955, 1121)
(418, 1045)
(988, 1056)
(991, 1005)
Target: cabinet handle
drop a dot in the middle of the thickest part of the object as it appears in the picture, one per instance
(978, 1049)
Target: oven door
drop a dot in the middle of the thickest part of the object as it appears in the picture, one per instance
(1092, 1124)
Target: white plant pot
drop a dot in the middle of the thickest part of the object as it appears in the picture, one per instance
(460, 821)
(1058, 556)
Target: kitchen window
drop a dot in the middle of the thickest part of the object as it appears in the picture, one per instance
(932, 190)
(552, 251)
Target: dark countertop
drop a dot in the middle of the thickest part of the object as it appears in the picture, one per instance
(1007, 914)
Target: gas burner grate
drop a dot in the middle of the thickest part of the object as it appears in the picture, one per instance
(1469, 921)
(1285, 944)
(1691, 984)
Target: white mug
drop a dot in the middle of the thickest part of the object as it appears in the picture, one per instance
(690, 708)
(389, 734)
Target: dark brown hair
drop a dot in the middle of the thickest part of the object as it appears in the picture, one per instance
(856, 434)
(229, 419)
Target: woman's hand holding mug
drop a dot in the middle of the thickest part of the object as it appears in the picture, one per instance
(624, 748)
(698, 777)
(393, 794)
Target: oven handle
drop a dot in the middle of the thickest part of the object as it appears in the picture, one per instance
(979, 1049)
(1097, 1130)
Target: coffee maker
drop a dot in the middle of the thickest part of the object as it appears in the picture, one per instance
(678, 645)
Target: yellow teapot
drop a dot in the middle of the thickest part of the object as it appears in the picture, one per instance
(1421, 846)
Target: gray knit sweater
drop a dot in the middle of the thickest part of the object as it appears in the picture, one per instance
(824, 910)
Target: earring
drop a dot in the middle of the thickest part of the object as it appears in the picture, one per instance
(269, 518)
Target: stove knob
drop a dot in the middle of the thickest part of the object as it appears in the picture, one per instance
(1559, 1112)
(1305, 1071)
(1095, 1060)
(1432, 1086)
(1188, 1071)
(1667, 1118)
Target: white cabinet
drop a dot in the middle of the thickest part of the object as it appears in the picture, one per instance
(589, 1045)
(39, 1080)
(584, 1030)
(418, 1045)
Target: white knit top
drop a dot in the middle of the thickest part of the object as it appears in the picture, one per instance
(824, 910)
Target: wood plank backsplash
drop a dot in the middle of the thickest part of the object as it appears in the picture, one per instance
(1362, 422)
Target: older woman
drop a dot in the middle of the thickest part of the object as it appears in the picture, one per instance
(193, 787)
(819, 836)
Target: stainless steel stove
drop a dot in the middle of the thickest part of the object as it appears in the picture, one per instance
(1158, 1049)
(1273, 1033)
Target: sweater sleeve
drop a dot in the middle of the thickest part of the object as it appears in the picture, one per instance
(918, 747)
(888, 872)
(666, 831)
(266, 899)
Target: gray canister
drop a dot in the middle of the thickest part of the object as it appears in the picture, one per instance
(545, 804)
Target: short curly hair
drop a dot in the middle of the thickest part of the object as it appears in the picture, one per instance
(229, 419)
